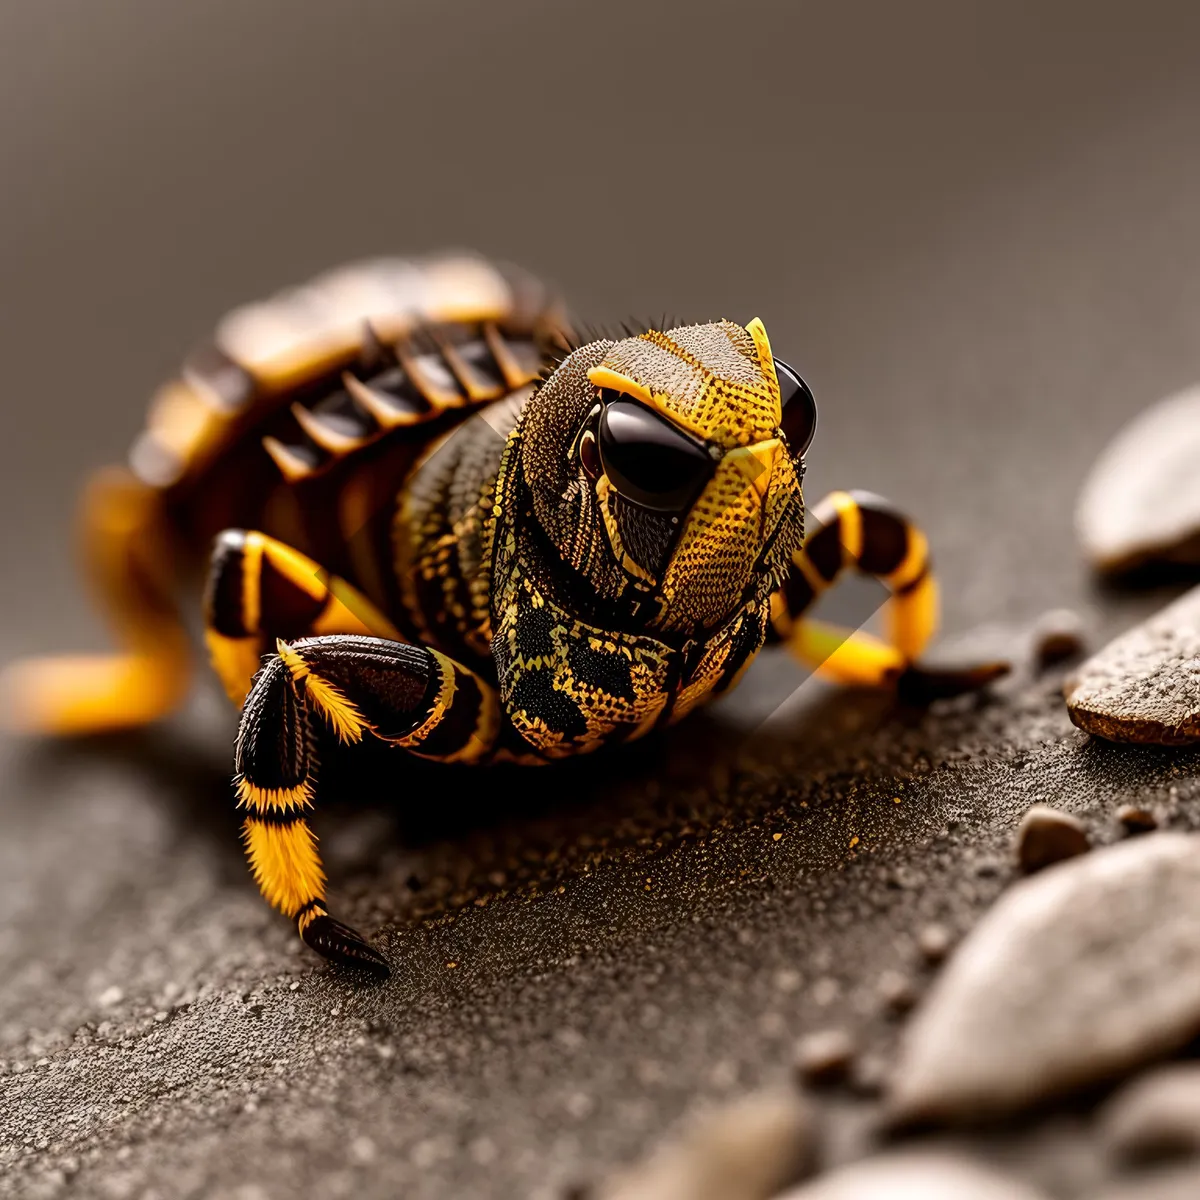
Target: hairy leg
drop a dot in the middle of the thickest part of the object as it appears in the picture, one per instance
(407, 695)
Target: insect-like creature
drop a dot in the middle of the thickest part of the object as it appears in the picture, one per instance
(434, 517)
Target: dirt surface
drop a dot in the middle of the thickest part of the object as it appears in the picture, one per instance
(978, 235)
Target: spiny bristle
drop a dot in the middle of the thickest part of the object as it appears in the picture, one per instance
(374, 355)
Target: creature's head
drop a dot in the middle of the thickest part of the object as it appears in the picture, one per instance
(665, 470)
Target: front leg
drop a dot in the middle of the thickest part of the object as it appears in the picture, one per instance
(862, 531)
(407, 695)
(259, 590)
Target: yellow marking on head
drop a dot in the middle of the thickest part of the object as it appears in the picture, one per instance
(285, 863)
(606, 377)
(347, 722)
(273, 799)
(766, 360)
(757, 463)
(707, 378)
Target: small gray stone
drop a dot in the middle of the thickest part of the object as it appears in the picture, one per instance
(897, 992)
(1058, 636)
(748, 1150)
(1141, 502)
(1145, 686)
(1047, 835)
(1156, 1116)
(825, 1057)
(934, 942)
(914, 1175)
(1074, 976)
(1136, 819)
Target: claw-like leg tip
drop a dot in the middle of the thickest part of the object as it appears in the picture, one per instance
(341, 944)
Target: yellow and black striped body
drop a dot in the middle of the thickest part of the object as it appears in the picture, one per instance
(305, 416)
(432, 517)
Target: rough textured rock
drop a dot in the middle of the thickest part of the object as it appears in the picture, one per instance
(748, 1150)
(1156, 1116)
(1048, 835)
(1074, 976)
(1145, 685)
(927, 1175)
(1141, 502)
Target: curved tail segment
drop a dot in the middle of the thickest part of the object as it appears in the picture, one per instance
(127, 556)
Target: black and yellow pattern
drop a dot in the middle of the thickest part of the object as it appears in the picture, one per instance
(358, 686)
(858, 530)
(433, 518)
(259, 591)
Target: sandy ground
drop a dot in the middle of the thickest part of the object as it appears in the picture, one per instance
(994, 261)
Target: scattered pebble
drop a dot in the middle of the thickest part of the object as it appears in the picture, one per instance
(1145, 686)
(1047, 836)
(748, 1150)
(1074, 976)
(1135, 819)
(934, 942)
(1156, 1116)
(1141, 502)
(110, 996)
(897, 991)
(825, 1057)
(914, 1175)
(1059, 635)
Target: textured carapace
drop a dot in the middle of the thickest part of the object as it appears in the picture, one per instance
(679, 569)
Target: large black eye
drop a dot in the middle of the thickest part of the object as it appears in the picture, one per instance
(648, 460)
(799, 420)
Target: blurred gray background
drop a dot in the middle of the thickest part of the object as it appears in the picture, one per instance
(974, 227)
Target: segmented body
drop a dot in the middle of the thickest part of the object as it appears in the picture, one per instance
(434, 519)
(362, 421)
(337, 418)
